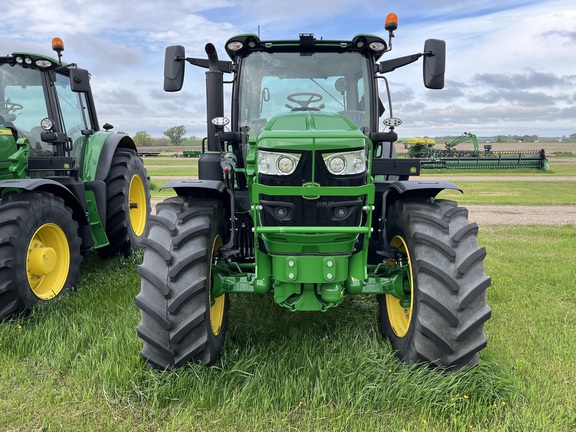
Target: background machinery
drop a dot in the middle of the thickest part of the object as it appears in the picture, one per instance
(301, 197)
(66, 187)
(450, 157)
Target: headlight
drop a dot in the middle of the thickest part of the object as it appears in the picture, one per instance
(47, 124)
(346, 163)
(273, 163)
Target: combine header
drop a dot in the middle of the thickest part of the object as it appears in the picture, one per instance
(452, 158)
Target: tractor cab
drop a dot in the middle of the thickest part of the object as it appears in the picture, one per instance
(48, 104)
(303, 78)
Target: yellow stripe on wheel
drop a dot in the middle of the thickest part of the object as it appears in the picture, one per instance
(400, 317)
(48, 261)
(137, 205)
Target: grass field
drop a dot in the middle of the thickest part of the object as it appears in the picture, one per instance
(76, 365)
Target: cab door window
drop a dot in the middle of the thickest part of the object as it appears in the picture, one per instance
(73, 106)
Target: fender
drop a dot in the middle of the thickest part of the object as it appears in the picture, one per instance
(99, 152)
(208, 189)
(389, 192)
(53, 187)
(420, 187)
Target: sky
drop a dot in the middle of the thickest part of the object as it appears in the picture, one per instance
(510, 68)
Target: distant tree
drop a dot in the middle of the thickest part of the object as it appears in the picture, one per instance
(142, 139)
(176, 134)
(121, 132)
(529, 138)
(573, 136)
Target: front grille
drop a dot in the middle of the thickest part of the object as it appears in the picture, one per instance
(281, 210)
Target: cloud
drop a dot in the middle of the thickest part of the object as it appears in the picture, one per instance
(510, 63)
(567, 37)
(528, 80)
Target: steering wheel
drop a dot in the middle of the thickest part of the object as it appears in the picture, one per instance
(11, 106)
(304, 99)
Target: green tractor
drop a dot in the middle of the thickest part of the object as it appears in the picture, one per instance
(66, 187)
(301, 197)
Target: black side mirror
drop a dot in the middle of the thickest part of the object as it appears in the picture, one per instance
(79, 80)
(174, 68)
(434, 63)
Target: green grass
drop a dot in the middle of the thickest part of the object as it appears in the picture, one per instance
(164, 161)
(76, 365)
(190, 172)
(513, 192)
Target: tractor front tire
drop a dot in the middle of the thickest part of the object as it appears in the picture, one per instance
(128, 204)
(39, 251)
(444, 324)
(180, 321)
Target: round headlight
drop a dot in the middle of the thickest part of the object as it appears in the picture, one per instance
(28, 60)
(19, 60)
(285, 165)
(337, 165)
(46, 124)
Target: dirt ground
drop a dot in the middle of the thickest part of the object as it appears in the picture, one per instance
(522, 215)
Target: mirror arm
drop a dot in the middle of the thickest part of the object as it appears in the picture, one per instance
(390, 65)
(223, 66)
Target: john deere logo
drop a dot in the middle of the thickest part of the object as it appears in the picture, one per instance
(308, 185)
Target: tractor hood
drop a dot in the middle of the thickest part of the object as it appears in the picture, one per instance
(310, 130)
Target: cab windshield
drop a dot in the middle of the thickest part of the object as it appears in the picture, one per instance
(22, 100)
(273, 84)
(23, 106)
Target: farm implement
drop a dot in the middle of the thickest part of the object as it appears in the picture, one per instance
(452, 158)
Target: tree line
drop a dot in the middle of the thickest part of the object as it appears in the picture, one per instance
(174, 136)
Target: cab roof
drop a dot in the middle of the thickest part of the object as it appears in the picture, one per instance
(241, 45)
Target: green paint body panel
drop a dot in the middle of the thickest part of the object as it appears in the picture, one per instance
(93, 150)
(310, 268)
(98, 232)
(7, 149)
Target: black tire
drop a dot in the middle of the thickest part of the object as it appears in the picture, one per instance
(445, 324)
(128, 204)
(178, 324)
(39, 251)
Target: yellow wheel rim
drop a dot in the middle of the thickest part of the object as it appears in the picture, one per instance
(48, 261)
(217, 308)
(137, 204)
(400, 317)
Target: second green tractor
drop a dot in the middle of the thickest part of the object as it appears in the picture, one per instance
(66, 186)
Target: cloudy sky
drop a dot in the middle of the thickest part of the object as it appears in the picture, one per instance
(511, 64)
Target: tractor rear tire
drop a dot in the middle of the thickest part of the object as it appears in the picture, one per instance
(444, 324)
(180, 321)
(128, 206)
(39, 251)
